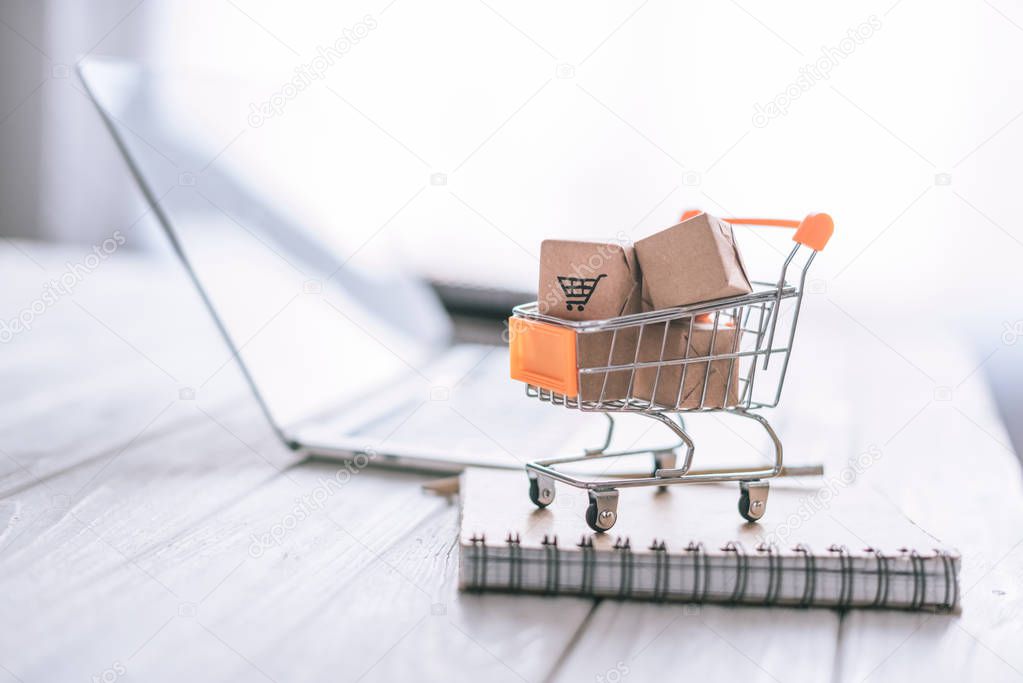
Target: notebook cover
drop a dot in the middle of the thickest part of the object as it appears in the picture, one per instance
(820, 543)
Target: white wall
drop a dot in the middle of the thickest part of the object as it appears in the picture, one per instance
(912, 140)
(22, 74)
(63, 179)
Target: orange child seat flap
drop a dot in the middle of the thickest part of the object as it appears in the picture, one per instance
(543, 355)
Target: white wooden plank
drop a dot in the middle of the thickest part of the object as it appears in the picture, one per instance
(948, 465)
(173, 544)
(633, 641)
(244, 604)
(125, 546)
(140, 558)
(412, 618)
(174, 523)
(161, 322)
(91, 424)
(134, 498)
(83, 382)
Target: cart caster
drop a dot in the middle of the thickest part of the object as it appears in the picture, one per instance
(753, 499)
(541, 491)
(602, 512)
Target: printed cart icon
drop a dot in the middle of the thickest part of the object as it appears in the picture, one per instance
(578, 290)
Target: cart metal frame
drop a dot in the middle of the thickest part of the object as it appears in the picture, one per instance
(752, 317)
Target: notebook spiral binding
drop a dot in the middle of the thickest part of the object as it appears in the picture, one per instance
(661, 568)
(845, 565)
(919, 578)
(701, 564)
(809, 573)
(515, 561)
(479, 565)
(660, 584)
(881, 597)
(550, 545)
(624, 551)
(951, 578)
(775, 569)
(589, 561)
(741, 569)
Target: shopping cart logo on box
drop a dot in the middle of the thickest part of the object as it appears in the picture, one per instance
(578, 290)
(664, 364)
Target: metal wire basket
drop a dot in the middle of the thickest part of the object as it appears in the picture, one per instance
(707, 357)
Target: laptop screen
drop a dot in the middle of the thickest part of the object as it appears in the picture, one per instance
(317, 313)
(279, 184)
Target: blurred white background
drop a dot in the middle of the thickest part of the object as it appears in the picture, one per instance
(471, 127)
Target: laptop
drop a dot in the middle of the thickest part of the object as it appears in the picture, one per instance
(346, 353)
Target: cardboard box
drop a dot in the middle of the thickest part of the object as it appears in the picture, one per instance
(594, 351)
(726, 340)
(696, 260)
(582, 280)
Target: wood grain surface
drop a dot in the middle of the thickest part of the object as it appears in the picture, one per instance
(151, 535)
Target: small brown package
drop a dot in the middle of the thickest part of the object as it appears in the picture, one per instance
(696, 260)
(582, 280)
(699, 343)
(593, 281)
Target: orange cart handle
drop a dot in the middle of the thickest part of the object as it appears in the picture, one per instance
(814, 231)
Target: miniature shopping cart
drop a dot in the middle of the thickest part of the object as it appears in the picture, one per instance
(729, 355)
(578, 290)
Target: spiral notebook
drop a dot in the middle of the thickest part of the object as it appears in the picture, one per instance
(817, 546)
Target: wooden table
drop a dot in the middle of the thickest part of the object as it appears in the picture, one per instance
(129, 508)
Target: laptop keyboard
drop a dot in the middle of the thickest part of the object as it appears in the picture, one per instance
(469, 405)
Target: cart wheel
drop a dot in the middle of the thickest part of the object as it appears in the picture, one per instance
(591, 517)
(602, 512)
(541, 497)
(753, 499)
